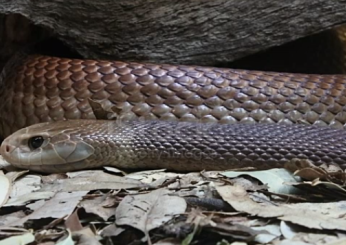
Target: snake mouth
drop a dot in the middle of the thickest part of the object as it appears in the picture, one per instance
(56, 168)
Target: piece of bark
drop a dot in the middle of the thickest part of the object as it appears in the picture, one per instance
(200, 32)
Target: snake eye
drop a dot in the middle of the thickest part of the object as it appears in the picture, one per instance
(35, 142)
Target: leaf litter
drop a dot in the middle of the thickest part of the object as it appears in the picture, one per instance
(159, 207)
(110, 206)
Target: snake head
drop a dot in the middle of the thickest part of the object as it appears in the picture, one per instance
(46, 146)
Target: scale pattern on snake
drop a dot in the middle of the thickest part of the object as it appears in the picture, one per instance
(180, 146)
(38, 89)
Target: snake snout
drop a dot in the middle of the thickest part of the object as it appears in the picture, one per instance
(6, 149)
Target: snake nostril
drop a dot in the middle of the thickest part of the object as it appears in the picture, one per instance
(8, 148)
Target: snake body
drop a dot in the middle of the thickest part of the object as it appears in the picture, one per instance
(179, 146)
(36, 89)
(44, 89)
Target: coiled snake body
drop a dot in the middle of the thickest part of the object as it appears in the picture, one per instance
(46, 88)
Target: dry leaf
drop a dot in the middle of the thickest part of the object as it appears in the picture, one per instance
(12, 217)
(197, 217)
(274, 178)
(311, 238)
(25, 185)
(288, 229)
(312, 215)
(189, 180)
(341, 241)
(307, 170)
(19, 240)
(111, 230)
(66, 240)
(236, 231)
(73, 223)
(296, 164)
(85, 236)
(36, 205)
(61, 205)
(14, 231)
(249, 184)
(53, 177)
(203, 191)
(95, 206)
(5, 188)
(149, 176)
(310, 173)
(22, 200)
(92, 180)
(13, 176)
(322, 189)
(273, 233)
(295, 233)
(148, 211)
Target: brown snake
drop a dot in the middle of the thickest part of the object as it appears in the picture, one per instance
(52, 89)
